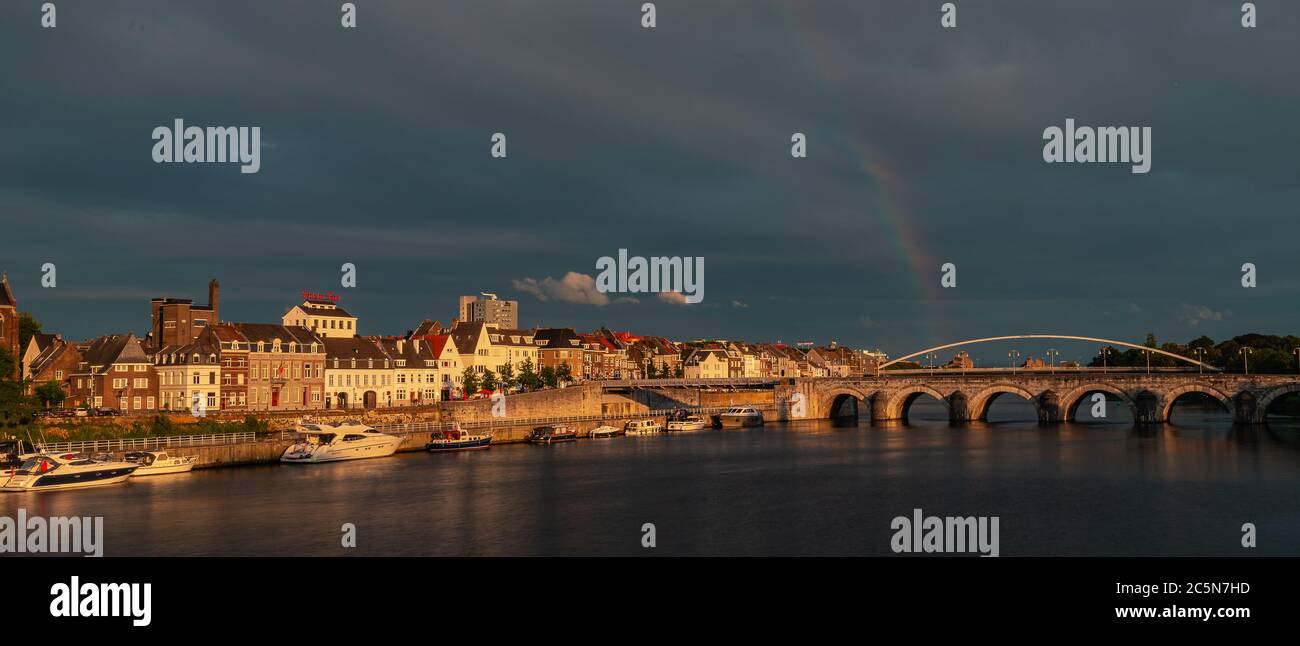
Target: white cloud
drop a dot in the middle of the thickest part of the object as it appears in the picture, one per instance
(1194, 314)
(573, 288)
(739, 304)
(672, 298)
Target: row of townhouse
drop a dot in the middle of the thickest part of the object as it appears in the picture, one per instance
(719, 360)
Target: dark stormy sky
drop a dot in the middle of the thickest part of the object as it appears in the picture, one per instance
(925, 147)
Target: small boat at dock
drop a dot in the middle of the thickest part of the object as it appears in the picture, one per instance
(738, 416)
(688, 423)
(605, 431)
(552, 433)
(156, 463)
(456, 439)
(642, 427)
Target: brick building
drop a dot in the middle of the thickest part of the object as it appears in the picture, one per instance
(178, 321)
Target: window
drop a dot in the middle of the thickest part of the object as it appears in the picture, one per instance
(212, 400)
(141, 383)
(58, 374)
(136, 401)
(150, 405)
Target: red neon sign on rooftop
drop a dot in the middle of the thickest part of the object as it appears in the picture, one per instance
(312, 296)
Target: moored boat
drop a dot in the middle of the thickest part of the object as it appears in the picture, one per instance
(687, 423)
(346, 441)
(552, 433)
(605, 430)
(52, 472)
(642, 427)
(456, 439)
(156, 463)
(738, 416)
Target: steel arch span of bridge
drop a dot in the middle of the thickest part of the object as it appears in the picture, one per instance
(1060, 337)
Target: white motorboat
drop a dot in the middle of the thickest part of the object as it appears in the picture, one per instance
(604, 430)
(688, 423)
(346, 441)
(157, 463)
(738, 416)
(52, 472)
(642, 427)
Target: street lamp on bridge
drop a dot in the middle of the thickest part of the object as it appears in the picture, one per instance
(1104, 351)
(932, 357)
(1052, 354)
(1245, 357)
(1011, 359)
(1296, 352)
(1200, 360)
(1147, 354)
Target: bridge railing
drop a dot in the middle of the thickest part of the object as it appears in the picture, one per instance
(146, 443)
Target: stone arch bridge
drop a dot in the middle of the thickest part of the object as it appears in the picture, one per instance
(1055, 395)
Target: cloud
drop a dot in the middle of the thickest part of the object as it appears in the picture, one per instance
(867, 322)
(627, 299)
(1194, 314)
(739, 304)
(1132, 308)
(573, 288)
(672, 298)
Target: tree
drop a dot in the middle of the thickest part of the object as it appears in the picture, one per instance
(664, 371)
(469, 382)
(489, 381)
(51, 394)
(508, 379)
(548, 377)
(650, 371)
(564, 374)
(16, 408)
(28, 327)
(528, 375)
(681, 371)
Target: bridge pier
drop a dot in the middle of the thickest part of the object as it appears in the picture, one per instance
(1245, 410)
(1049, 408)
(1147, 409)
(958, 409)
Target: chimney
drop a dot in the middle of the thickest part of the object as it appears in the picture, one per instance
(401, 346)
(214, 300)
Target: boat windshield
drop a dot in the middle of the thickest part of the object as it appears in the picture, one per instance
(38, 465)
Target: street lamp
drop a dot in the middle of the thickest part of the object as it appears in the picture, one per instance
(1011, 357)
(1104, 351)
(1052, 354)
(1245, 357)
(1296, 352)
(1200, 359)
(1147, 355)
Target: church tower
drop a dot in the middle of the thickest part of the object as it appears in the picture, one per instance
(9, 322)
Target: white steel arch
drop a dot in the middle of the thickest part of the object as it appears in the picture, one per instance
(1062, 337)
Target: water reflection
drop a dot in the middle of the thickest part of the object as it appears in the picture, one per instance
(1089, 487)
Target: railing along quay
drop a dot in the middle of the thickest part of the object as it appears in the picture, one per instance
(542, 421)
(147, 443)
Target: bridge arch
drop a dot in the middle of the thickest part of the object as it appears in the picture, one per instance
(1074, 397)
(980, 403)
(1273, 395)
(833, 399)
(1172, 395)
(1059, 337)
(901, 401)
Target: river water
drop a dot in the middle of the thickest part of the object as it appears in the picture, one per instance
(813, 488)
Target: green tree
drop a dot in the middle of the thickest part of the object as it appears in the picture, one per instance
(28, 327)
(548, 377)
(469, 381)
(681, 371)
(16, 408)
(51, 394)
(650, 371)
(528, 375)
(664, 371)
(564, 374)
(489, 381)
(508, 379)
